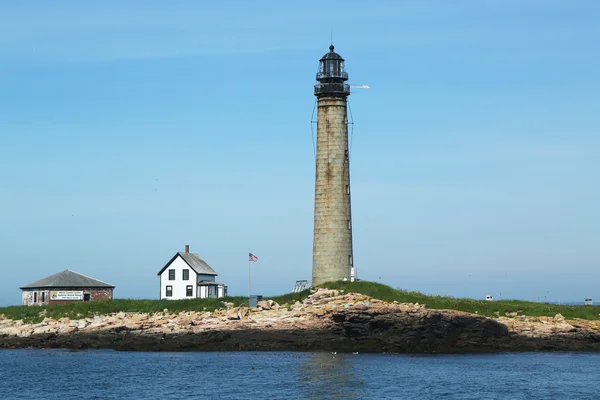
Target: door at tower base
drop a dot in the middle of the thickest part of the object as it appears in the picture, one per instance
(332, 241)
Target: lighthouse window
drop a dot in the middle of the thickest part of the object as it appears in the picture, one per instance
(349, 259)
(347, 189)
(349, 224)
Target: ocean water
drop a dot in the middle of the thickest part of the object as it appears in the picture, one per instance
(104, 374)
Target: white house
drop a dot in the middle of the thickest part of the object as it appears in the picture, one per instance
(187, 276)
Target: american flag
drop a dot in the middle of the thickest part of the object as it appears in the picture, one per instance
(252, 257)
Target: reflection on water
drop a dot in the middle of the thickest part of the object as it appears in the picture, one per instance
(109, 375)
(331, 376)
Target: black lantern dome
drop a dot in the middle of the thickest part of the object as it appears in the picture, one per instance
(331, 76)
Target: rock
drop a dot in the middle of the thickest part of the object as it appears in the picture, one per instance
(327, 321)
(267, 304)
(242, 312)
(264, 304)
(43, 329)
(66, 329)
(10, 331)
(23, 333)
(559, 318)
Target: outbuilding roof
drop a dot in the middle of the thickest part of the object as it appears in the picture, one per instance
(68, 279)
(210, 283)
(195, 262)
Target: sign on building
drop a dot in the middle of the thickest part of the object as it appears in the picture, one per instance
(66, 295)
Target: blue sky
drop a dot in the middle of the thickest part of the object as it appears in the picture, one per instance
(129, 129)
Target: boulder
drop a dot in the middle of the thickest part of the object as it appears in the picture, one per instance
(267, 304)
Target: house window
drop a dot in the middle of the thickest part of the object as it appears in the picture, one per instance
(186, 274)
(169, 291)
(188, 291)
(35, 297)
(171, 274)
(43, 297)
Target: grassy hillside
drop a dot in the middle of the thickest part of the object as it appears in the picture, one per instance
(481, 307)
(375, 290)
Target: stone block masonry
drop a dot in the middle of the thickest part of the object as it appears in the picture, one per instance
(332, 245)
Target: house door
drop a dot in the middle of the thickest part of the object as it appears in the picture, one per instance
(86, 297)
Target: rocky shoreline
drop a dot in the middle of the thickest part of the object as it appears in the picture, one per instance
(326, 321)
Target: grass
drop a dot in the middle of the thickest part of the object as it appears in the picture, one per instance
(34, 314)
(291, 298)
(481, 307)
(375, 290)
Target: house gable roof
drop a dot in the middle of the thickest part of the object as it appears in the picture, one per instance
(68, 279)
(195, 262)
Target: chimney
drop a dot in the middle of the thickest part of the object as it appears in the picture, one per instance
(187, 248)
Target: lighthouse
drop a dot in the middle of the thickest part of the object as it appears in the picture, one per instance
(332, 241)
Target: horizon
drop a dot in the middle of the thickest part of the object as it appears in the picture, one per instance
(128, 132)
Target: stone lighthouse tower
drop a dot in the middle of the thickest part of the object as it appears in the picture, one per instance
(332, 243)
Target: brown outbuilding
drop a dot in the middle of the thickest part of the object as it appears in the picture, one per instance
(65, 287)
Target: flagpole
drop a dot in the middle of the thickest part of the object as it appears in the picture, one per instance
(248, 276)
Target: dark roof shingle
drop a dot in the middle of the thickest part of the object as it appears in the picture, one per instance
(68, 279)
(195, 262)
